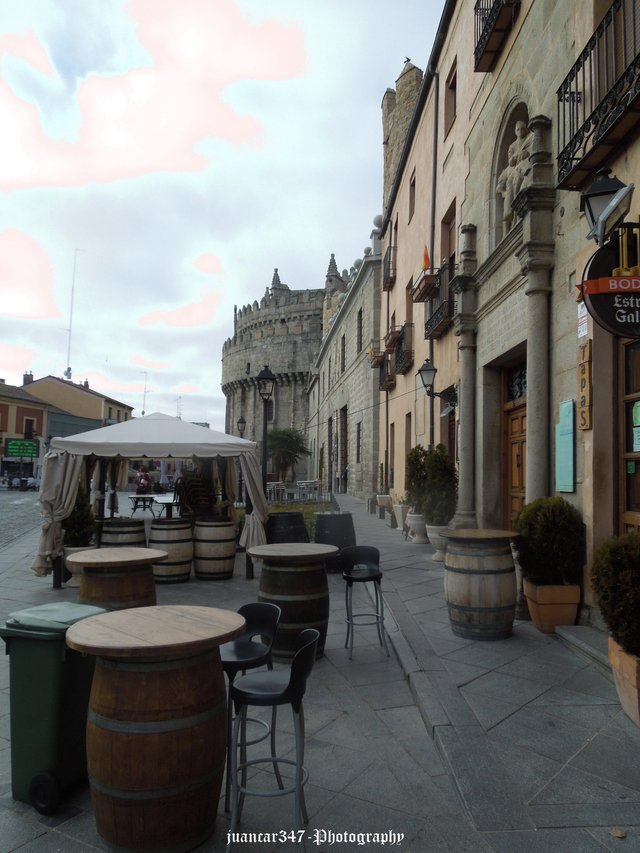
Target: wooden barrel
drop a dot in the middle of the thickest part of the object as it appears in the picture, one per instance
(117, 588)
(163, 748)
(335, 528)
(123, 532)
(214, 550)
(174, 536)
(480, 587)
(286, 527)
(302, 593)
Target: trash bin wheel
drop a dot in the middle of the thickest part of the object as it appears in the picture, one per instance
(45, 793)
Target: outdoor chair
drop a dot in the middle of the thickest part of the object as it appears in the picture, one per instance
(248, 651)
(272, 688)
(361, 564)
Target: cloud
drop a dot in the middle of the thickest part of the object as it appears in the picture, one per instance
(14, 357)
(151, 118)
(189, 316)
(208, 263)
(152, 365)
(26, 278)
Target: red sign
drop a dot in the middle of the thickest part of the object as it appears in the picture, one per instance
(613, 300)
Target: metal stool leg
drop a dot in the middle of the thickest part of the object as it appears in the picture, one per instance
(380, 617)
(300, 806)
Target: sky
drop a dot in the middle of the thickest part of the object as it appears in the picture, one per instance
(160, 158)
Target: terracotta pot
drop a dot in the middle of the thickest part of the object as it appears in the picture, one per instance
(626, 675)
(438, 542)
(415, 521)
(552, 605)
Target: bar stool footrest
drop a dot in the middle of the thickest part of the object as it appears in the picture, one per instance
(270, 760)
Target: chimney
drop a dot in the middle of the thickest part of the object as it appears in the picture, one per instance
(27, 378)
(85, 384)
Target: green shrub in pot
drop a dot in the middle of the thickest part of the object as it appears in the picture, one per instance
(551, 544)
(615, 579)
(80, 525)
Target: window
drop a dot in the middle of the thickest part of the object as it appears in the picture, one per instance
(450, 99)
(359, 441)
(343, 354)
(412, 195)
(359, 331)
(329, 377)
(29, 428)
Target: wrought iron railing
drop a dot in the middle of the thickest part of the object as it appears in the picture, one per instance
(404, 350)
(387, 376)
(599, 99)
(389, 268)
(440, 304)
(494, 20)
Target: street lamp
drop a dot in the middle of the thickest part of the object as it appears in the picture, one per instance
(605, 204)
(427, 374)
(266, 382)
(242, 425)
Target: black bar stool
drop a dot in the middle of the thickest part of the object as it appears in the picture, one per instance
(272, 688)
(361, 564)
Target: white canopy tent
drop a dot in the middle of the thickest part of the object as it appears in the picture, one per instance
(155, 436)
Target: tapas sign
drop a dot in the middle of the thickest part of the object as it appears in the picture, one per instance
(611, 284)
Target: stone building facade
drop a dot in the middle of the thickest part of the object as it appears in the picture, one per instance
(282, 331)
(519, 106)
(343, 412)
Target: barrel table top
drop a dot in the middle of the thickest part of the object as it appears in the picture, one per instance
(163, 632)
(472, 533)
(108, 558)
(292, 552)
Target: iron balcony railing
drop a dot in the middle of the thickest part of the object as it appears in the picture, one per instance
(440, 304)
(389, 268)
(599, 99)
(404, 350)
(387, 376)
(494, 21)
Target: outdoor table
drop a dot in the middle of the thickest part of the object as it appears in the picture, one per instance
(167, 503)
(293, 576)
(480, 582)
(146, 501)
(117, 578)
(157, 725)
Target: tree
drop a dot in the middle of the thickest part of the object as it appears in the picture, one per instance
(285, 447)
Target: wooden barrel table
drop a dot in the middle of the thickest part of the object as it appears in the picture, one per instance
(480, 583)
(293, 576)
(117, 578)
(214, 550)
(174, 536)
(123, 533)
(335, 528)
(156, 729)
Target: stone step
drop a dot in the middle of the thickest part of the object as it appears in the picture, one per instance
(589, 643)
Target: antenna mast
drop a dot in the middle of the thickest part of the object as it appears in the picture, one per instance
(144, 397)
(67, 372)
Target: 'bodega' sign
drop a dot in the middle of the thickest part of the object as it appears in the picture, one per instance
(611, 292)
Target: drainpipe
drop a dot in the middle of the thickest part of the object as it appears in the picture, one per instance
(432, 235)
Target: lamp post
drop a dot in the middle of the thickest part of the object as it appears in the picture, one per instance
(242, 425)
(427, 374)
(266, 382)
(605, 204)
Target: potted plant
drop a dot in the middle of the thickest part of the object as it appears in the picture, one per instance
(551, 553)
(440, 495)
(400, 510)
(78, 529)
(415, 477)
(615, 579)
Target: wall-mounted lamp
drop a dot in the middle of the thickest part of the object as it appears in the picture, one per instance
(427, 374)
(242, 425)
(605, 205)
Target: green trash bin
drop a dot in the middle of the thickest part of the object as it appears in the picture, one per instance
(49, 695)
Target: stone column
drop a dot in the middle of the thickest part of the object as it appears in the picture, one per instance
(534, 203)
(465, 288)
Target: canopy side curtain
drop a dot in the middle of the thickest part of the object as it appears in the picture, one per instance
(253, 531)
(61, 477)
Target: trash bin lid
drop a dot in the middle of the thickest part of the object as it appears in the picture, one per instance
(55, 617)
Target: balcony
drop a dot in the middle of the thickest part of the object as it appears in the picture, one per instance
(599, 100)
(387, 376)
(375, 354)
(494, 22)
(392, 337)
(424, 286)
(440, 305)
(389, 268)
(403, 355)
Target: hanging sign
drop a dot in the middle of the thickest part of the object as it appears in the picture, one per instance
(611, 285)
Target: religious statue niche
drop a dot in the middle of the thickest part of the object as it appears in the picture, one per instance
(512, 177)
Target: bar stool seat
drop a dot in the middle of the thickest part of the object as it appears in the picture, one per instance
(361, 564)
(272, 688)
(248, 651)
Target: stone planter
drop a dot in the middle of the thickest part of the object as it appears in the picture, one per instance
(626, 675)
(418, 532)
(384, 502)
(551, 605)
(438, 542)
(400, 512)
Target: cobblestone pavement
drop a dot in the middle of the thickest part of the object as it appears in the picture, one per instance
(19, 514)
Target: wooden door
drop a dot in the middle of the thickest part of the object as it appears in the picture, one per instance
(516, 473)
